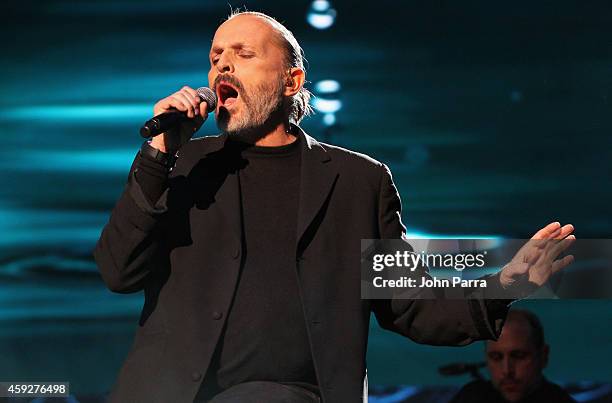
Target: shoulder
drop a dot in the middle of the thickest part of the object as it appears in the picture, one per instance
(354, 161)
(203, 145)
(555, 392)
(362, 166)
(359, 170)
(351, 156)
(196, 149)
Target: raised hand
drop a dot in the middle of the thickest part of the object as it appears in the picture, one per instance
(538, 259)
(185, 100)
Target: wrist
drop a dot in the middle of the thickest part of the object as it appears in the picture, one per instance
(158, 143)
(152, 153)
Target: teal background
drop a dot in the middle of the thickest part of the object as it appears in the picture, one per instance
(494, 118)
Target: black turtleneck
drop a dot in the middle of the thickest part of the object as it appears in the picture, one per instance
(265, 336)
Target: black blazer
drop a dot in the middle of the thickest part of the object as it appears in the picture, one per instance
(186, 251)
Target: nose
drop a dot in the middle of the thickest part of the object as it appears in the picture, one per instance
(225, 63)
(508, 366)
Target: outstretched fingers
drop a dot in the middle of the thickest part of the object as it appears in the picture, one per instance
(561, 263)
(548, 231)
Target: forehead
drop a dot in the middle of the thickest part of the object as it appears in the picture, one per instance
(516, 335)
(248, 30)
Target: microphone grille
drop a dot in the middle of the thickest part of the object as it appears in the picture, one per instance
(209, 97)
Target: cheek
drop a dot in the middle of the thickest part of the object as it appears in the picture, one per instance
(255, 76)
(495, 369)
(526, 369)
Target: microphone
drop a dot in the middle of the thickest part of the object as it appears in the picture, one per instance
(168, 120)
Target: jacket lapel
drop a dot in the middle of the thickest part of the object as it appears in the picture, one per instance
(317, 177)
(227, 158)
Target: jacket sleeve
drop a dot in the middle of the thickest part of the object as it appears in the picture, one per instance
(435, 321)
(132, 236)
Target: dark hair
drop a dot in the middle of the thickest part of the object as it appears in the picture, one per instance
(299, 106)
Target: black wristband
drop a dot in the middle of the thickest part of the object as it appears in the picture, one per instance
(152, 153)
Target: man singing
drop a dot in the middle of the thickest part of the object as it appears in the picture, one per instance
(247, 245)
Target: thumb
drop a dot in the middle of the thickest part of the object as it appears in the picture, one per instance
(517, 269)
(512, 272)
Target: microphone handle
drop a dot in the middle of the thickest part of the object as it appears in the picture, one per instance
(161, 123)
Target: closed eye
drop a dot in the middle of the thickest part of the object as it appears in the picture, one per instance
(519, 355)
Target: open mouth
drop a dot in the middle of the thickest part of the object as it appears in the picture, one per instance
(227, 94)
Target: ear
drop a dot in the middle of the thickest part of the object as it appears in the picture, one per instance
(294, 81)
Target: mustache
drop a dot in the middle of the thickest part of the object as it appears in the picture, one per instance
(228, 78)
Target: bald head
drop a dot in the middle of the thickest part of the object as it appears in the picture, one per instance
(280, 33)
(516, 360)
(529, 325)
(292, 57)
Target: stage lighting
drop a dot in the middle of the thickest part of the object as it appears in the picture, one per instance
(327, 105)
(321, 15)
(327, 86)
(327, 100)
(329, 119)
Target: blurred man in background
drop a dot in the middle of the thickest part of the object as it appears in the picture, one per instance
(516, 361)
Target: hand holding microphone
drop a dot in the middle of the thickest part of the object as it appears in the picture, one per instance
(178, 117)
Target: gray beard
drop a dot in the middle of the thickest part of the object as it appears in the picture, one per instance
(258, 116)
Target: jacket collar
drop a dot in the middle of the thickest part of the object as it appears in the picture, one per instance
(317, 178)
